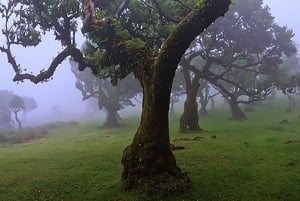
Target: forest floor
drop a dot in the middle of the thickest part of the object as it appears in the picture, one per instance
(254, 160)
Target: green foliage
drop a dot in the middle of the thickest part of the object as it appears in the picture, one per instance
(200, 4)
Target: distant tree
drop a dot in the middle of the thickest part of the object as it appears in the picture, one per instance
(206, 94)
(110, 98)
(189, 118)
(6, 120)
(288, 79)
(12, 103)
(17, 105)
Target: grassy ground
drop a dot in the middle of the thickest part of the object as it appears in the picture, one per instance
(255, 160)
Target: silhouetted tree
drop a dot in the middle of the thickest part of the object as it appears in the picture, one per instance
(288, 79)
(6, 120)
(111, 98)
(17, 105)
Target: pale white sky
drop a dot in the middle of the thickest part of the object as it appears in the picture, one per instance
(287, 12)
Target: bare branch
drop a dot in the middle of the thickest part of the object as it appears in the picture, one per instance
(122, 7)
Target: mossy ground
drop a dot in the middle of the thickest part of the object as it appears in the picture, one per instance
(254, 160)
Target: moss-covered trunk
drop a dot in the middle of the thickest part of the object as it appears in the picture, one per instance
(189, 119)
(149, 162)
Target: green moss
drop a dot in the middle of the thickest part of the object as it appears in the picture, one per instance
(200, 4)
(164, 184)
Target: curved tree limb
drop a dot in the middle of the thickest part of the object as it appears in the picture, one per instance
(121, 8)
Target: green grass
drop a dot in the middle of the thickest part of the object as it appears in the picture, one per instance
(248, 161)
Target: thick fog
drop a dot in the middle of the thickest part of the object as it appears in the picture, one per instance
(59, 98)
(286, 13)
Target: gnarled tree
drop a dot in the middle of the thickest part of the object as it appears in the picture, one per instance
(148, 161)
(110, 98)
(16, 105)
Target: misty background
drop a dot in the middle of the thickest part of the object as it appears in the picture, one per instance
(58, 99)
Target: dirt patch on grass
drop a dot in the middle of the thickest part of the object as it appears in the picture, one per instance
(196, 138)
(292, 142)
(276, 128)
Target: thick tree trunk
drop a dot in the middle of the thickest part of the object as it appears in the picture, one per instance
(112, 106)
(236, 112)
(149, 162)
(112, 118)
(189, 119)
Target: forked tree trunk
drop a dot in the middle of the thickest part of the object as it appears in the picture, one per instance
(204, 98)
(18, 120)
(112, 106)
(189, 119)
(112, 118)
(236, 112)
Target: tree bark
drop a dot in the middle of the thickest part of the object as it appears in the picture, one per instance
(189, 119)
(148, 162)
